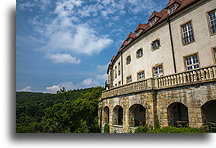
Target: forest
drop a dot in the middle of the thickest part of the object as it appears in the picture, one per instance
(73, 111)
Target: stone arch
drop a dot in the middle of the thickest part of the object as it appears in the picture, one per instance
(209, 112)
(106, 115)
(137, 115)
(177, 114)
(118, 115)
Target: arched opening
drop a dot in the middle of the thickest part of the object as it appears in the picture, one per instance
(118, 115)
(209, 115)
(178, 115)
(106, 114)
(137, 115)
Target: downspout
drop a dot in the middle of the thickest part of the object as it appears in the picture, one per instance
(171, 39)
(121, 69)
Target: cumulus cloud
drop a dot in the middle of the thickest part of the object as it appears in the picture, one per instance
(90, 82)
(67, 85)
(63, 58)
(27, 88)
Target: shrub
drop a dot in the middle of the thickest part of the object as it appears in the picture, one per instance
(106, 128)
(177, 130)
(142, 129)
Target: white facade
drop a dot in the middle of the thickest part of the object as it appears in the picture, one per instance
(172, 52)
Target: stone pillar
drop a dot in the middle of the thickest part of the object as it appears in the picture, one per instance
(150, 117)
(111, 121)
(195, 117)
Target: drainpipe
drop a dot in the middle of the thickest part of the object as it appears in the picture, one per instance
(173, 54)
(121, 68)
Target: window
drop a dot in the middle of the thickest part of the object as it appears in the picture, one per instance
(212, 21)
(139, 53)
(172, 8)
(191, 62)
(119, 72)
(116, 85)
(128, 59)
(119, 83)
(115, 72)
(156, 44)
(129, 79)
(158, 71)
(140, 75)
(187, 32)
(153, 21)
(214, 54)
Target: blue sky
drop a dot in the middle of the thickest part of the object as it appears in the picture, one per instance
(68, 43)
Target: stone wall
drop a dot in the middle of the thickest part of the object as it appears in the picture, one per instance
(156, 103)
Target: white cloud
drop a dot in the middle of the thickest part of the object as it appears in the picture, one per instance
(52, 89)
(27, 88)
(102, 77)
(102, 68)
(63, 58)
(90, 82)
(67, 85)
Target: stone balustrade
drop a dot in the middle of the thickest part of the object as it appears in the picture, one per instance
(189, 77)
(185, 78)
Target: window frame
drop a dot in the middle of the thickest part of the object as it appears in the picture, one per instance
(137, 56)
(141, 71)
(129, 56)
(157, 65)
(119, 83)
(213, 54)
(185, 61)
(115, 69)
(127, 79)
(153, 49)
(119, 68)
(182, 33)
(209, 23)
(154, 20)
(176, 5)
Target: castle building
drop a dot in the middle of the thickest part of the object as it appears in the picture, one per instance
(164, 72)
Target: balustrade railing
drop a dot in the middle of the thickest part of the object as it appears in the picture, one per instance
(184, 78)
(193, 76)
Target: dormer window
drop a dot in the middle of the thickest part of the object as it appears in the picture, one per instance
(129, 40)
(172, 8)
(138, 32)
(153, 21)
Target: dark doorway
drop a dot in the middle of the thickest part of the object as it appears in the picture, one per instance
(118, 115)
(137, 115)
(209, 115)
(178, 115)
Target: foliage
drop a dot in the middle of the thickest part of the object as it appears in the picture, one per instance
(64, 112)
(144, 129)
(106, 128)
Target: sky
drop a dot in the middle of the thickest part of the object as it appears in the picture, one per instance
(69, 43)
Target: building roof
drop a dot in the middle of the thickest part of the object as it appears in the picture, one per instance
(172, 2)
(163, 15)
(141, 26)
(155, 13)
(131, 35)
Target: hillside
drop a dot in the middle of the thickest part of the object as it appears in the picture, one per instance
(64, 112)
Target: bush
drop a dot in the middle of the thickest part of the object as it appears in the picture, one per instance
(142, 129)
(106, 128)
